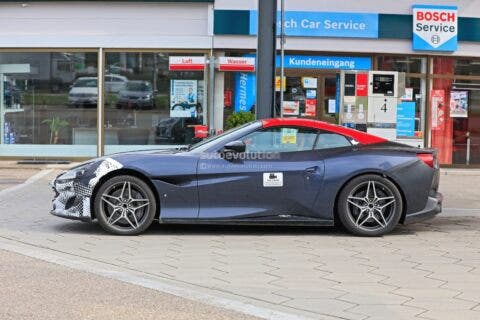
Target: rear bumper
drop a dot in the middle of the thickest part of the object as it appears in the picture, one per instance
(433, 207)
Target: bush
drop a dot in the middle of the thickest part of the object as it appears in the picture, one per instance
(239, 118)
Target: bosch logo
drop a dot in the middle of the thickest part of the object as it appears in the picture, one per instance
(435, 27)
(436, 16)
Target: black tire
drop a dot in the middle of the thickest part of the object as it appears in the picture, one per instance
(125, 205)
(374, 214)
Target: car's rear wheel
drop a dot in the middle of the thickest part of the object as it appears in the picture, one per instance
(370, 205)
(125, 205)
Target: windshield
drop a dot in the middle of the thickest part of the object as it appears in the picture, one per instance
(138, 86)
(86, 83)
(207, 143)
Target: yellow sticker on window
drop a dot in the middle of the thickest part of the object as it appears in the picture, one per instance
(289, 135)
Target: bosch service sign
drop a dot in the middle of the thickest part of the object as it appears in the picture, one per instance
(435, 28)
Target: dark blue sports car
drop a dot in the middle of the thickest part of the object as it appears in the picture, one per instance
(275, 172)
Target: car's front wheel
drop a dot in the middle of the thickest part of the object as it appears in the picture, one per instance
(125, 205)
(370, 205)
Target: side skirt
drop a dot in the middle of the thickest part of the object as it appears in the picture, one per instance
(271, 221)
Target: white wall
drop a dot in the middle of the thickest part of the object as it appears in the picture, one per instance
(105, 24)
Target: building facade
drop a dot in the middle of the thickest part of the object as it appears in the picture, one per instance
(82, 79)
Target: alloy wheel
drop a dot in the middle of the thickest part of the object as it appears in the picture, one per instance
(125, 205)
(371, 205)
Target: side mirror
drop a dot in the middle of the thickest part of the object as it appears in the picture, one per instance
(236, 146)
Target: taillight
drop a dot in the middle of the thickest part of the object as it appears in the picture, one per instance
(427, 158)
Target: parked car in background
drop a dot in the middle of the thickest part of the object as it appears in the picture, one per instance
(84, 93)
(115, 82)
(176, 131)
(136, 95)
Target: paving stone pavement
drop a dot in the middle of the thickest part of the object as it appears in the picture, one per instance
(428, 270)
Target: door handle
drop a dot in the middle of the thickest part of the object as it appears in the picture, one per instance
(311, 170)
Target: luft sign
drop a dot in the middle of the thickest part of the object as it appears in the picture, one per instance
(176, 63)
(435, 28)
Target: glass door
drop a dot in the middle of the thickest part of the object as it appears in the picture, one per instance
(327, 94)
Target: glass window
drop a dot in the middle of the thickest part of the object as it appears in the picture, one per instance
(280, 139)
(48, 103)
(147, 105)
(331, 140)
(410, 64)
(464, 67)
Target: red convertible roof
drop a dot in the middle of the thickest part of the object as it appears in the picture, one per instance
(362, 137)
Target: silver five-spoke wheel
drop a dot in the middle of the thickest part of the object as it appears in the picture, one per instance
(125, 205)
(371, 205)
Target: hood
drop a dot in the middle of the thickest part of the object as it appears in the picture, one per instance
(88, 90)
(135, 93)
(157, 163)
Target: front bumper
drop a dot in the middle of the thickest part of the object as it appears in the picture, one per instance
(71, 200)
(433, 207)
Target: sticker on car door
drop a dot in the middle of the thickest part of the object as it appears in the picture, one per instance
(273, 179)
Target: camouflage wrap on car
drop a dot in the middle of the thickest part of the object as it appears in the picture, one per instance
(73, 195)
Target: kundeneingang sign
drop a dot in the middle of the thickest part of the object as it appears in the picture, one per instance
(435, 28)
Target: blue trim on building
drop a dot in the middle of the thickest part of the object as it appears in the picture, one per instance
(390, 26)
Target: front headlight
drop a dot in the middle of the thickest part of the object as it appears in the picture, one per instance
(75, 172)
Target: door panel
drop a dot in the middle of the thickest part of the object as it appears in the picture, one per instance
(238, 188)
(278, 174)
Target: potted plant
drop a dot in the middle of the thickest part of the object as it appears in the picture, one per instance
(238, 118)
(55, 124)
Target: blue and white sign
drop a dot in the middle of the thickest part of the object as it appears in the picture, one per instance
(435, 28)
(245, 91)
(326, 62)
(324, 24)
(406, 119)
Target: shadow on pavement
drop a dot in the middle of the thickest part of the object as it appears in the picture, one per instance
(440, 224)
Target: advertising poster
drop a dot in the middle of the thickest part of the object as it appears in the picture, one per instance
(362, 85)
(310, 107)
(291, 108)
(458, 104)
(309, 83)
(245, 93)
(311, 94)
(277, 84)
(332, 105)
(408, 96)
(437, 100)
(183, 98)
(406, 119)
(349, 85)
(289, 135)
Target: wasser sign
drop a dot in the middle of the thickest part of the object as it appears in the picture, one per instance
(435, 28)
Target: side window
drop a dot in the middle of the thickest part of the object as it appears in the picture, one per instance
(328, 140)
(280, 139)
